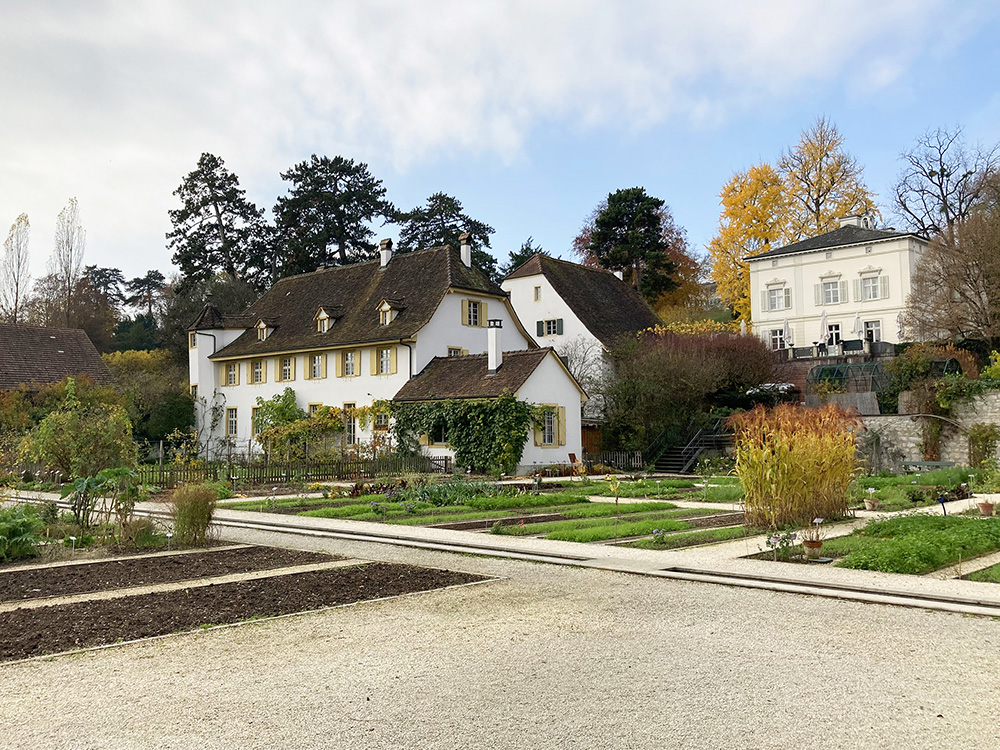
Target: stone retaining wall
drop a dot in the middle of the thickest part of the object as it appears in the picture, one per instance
(902, 432)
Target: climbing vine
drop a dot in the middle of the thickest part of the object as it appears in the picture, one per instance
(487, 435)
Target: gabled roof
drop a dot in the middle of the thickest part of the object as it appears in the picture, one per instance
(842, 237)
(47, 355)
(465, 377)
(416, 281)
(605, 304)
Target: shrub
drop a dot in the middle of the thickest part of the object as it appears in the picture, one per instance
(794, 464)
(191, 508)
(19, 529)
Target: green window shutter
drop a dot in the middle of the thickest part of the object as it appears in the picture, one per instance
(818, 290)
(540, 328)
(883, 286)
(559, 328)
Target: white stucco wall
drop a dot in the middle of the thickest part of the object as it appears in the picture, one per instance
(550, 384)
(894, 259)
(550, 307)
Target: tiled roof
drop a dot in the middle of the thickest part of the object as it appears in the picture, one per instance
(47, 355)
(465, 377)
(415, 281)
(845, 235)
(605, 304)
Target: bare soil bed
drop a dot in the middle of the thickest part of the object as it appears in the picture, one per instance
(56, 628)
(125, 572)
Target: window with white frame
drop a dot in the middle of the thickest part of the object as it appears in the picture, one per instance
(833, 334)
(323, 324)
(473, 314)
(549, 429)
(254, 419)
(233, 373)
(313, 408)
(316, 366)
(831, 292)
(873, 330)
(384, 317)
(779, 298)
(777, 338)
(385, 361)
(538, 294)
(454, 351)
(350, 365)
(193, 340)
(257, 371)
(287, 368)
(869, 287)
(261, 332)
(551, 327)
(231, 422)
(381, 420)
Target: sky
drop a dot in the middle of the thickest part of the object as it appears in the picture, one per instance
(529, 112)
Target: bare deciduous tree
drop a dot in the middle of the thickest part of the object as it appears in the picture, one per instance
(66, 263)
(955, 291)
(14, 277)
(584, 359)
(942, 182)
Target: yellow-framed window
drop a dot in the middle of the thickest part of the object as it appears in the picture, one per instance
(232, 421)
(285, 367)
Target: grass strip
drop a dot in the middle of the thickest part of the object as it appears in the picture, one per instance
(691, 538)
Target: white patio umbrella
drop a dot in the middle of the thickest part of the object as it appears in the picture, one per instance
(858, 327)
(823, 328)
(900, 332)
(743, 327)
(787, 333)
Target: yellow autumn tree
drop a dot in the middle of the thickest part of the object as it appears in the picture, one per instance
(752, 222)
(822, 182)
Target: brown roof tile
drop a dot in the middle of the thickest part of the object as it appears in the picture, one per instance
(47, 355)
(415, 281)
(605, 304)
(465, 377)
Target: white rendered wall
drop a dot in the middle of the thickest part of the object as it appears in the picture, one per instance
(896, 259)
(550, 384)
(550, 307)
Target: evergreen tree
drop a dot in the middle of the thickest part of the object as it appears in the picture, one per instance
(326, 216)
(522, 255)
(216, 228)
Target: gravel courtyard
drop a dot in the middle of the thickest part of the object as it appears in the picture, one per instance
(548, 657)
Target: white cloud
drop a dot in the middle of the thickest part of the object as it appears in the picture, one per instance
(113, 102)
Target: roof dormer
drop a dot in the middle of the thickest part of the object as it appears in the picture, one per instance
(326, 316)
(388, 309)
(263, 329)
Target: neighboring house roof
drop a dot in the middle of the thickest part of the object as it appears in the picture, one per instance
(466, 377)
(605, 304)
(416, 282)
(47, 355)
(845, 235)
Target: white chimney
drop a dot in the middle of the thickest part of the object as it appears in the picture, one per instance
(466, 238)
(494, 354)
(385, 250)
(850, 221)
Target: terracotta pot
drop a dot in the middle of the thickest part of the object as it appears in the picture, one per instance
(871, 503)
(986, 508)
(812, 548)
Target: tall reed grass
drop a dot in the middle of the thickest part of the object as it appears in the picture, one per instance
(795, 464)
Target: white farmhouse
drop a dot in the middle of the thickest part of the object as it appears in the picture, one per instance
(351, 335)
(581, 312)
(847, 285)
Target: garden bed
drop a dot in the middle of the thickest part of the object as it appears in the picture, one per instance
(17, 583)
(51, 629)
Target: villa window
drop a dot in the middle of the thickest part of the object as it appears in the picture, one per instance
(350, 425)
(777, 338)
(261, 333)
(385, 361)
(233, 373)
(193, 340)
(779, 299)
(286, 369)
(538, 294)
(833, 334)
(381, 421)
(323, 325)
(549, 429)
(317, 367)
(472, 314)
(873, 330)
(258, 373)
(831, 292)
(231, 422)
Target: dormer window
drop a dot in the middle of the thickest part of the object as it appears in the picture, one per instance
(326, 316)
(388, 310)
(261, 330)
(323, 324)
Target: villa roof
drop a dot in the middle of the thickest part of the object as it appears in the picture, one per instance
(842, 237)
(466, 377)
(34, 355)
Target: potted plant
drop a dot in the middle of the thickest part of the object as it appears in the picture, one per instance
(812, 538)
(871, 502)
(989, 485)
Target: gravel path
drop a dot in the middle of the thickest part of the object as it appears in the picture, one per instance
(550, 657)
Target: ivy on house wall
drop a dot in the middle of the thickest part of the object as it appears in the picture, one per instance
(487, 435)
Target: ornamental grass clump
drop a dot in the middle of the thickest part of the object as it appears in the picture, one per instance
(191, 508)
(794, 464)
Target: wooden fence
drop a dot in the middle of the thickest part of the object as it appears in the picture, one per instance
(620, 460)
(249, 473)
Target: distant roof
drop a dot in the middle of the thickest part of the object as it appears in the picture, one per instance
(47, 355)
(465, 377)
(845, 235)
(605, 304)
(415, 282)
